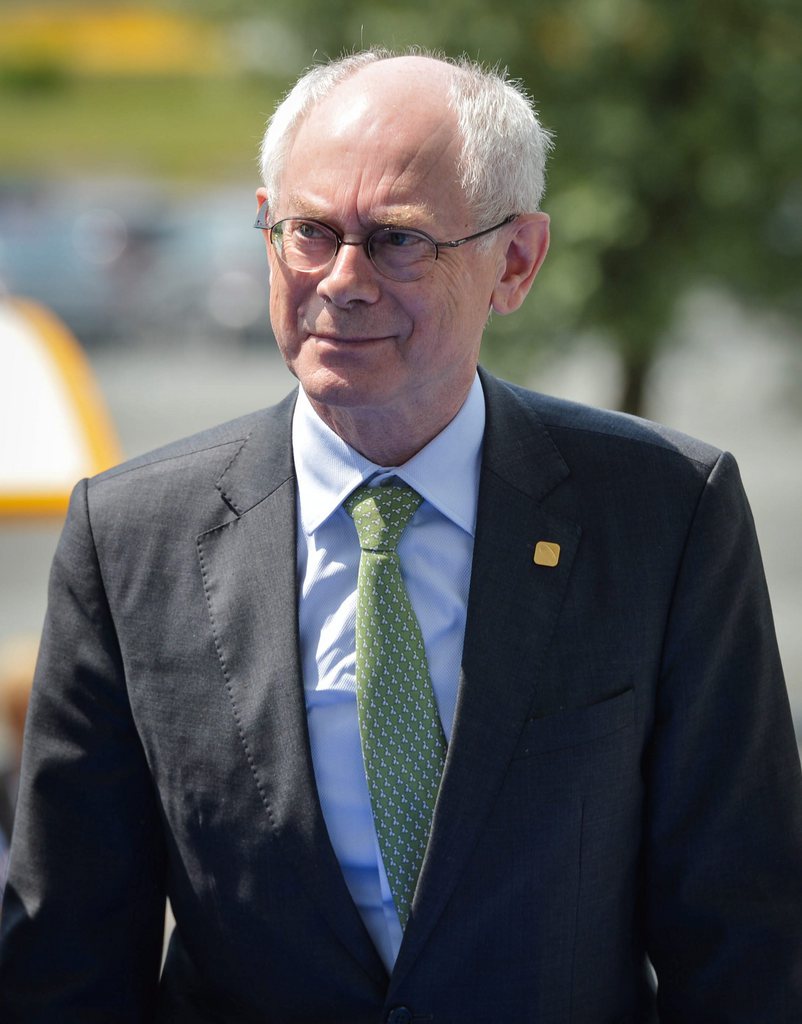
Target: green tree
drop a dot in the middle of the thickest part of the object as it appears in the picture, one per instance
(678, 162)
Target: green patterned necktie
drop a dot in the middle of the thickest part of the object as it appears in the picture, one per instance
(403, 746)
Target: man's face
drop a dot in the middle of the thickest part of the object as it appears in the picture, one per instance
(382, 150)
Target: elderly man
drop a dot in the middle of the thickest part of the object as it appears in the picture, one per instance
(421, 696)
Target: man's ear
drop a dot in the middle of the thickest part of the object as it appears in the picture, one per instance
(526, 249)
(261, 197)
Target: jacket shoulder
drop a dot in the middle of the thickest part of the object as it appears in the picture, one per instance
(187, 473)
(203, 445)
(597, 430)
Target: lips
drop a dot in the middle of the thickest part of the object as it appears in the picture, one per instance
(341, 339)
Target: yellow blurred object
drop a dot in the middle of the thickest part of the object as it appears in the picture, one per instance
(91, 40)
(54, 426)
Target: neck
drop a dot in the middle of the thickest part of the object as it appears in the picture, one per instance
(387, 437)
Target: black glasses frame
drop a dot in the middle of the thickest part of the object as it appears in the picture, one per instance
(261, 222)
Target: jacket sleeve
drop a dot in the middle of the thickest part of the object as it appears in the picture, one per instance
(83, 916)
(723, 838)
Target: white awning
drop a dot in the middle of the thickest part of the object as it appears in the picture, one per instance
(54, 426)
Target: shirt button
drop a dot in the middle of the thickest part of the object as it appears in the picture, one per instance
(399, 1015)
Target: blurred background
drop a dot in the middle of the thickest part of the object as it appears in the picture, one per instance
(128, 140)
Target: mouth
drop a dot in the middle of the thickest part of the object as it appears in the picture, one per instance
(344, 340)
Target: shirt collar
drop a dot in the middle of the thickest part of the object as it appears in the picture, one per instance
(445, 472)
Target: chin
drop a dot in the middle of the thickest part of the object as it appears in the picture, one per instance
(328, 387)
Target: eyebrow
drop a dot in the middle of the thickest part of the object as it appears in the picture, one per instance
(403, 216)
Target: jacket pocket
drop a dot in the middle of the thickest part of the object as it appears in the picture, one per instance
(573, 727)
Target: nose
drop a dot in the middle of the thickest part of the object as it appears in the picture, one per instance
(350, 277)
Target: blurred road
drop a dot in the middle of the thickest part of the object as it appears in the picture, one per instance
(733, 385)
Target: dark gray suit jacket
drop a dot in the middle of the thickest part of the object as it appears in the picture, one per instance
(622, 779)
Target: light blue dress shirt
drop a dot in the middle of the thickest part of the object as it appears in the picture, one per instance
(435, 551)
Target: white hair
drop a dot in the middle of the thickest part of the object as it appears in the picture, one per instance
(504, 147)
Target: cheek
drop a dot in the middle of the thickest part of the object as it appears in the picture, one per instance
(284, 301)
(461, 303)
(284, 321)
(276, 303)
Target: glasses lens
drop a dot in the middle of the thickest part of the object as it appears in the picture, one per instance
(401, 255)
(304, 244)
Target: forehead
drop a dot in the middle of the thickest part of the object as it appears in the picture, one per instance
(386, 138)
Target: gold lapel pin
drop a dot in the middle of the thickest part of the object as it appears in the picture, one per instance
(547, 553)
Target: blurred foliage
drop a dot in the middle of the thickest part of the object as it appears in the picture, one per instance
(678, 162)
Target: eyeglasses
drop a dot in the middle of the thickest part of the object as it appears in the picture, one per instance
(398, 253)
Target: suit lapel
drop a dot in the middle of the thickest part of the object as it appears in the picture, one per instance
(512, 613)
(249, 570)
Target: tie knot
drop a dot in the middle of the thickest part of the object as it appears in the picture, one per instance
(381, 514)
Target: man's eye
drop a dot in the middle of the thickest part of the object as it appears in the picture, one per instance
(400, 239)
(304, 229)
